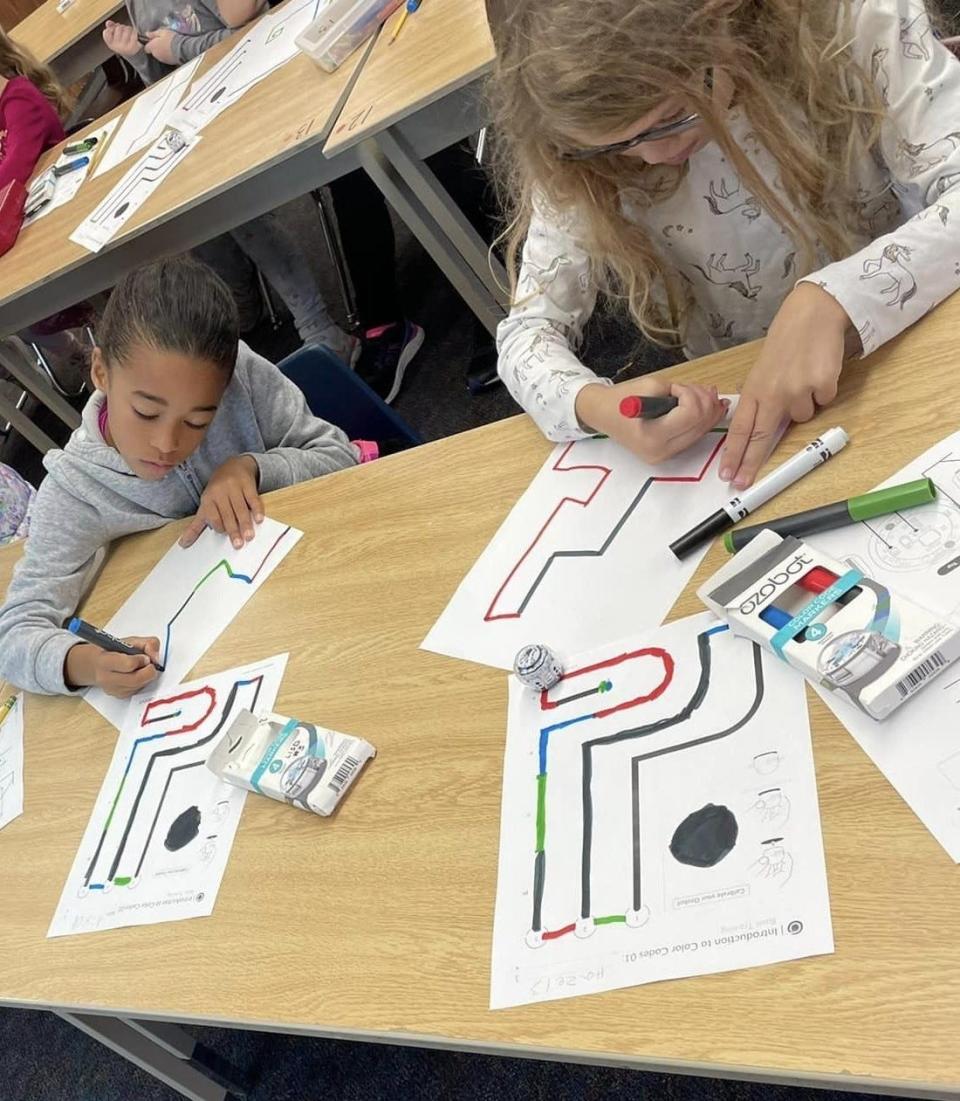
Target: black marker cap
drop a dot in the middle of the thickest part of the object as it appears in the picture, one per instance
(702, 533)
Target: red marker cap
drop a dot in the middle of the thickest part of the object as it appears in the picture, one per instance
(631, 406)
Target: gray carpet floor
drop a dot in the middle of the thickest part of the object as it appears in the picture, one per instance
(44, 1059)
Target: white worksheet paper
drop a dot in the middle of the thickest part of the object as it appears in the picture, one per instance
(11, 764)
(157, 844)
(147, 116)
(268, 45)
(917, 555)
(584, 554)
(67, 186)
(190, 598)
(659, 819)
(133, 189)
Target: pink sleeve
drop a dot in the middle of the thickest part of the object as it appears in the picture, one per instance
(27, 136)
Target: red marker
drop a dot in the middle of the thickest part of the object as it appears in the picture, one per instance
(818, 580)
(647, 408)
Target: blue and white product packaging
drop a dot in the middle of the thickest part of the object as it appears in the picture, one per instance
(842, 630)
(290, 760)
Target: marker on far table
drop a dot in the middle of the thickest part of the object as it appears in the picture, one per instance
(6, 707)
(815, 453)
(80, 147)
(86, 632)
(647, 408)
(882, 502)
(63, 169)
(409, 9)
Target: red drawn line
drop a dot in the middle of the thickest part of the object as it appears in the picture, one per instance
(565, 500)
(651, 651)
(206, 690)
(489, 616)
(552, 934)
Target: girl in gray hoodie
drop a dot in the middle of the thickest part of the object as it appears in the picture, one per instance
(185, 420)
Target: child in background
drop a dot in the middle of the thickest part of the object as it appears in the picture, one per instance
(31, 105)
(176, 33)
(185, 421)
(731, 170)
(16, 504)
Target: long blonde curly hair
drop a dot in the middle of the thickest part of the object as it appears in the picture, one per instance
(579, 66)
(16, 61)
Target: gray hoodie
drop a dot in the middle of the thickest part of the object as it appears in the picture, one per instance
(90, 496)
(197, 24)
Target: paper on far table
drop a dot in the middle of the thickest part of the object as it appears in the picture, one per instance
(147, 116)
(67, 186)
(664, 788)
(268, 45)
(158, 840)
(190, 598)
(11, 764)
(917, 554)
(133, 190)
(584, 554)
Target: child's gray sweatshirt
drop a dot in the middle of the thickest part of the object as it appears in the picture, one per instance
(90, 496)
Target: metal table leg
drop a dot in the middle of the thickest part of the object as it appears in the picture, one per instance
(426, 228)
(449, 218)
(156, 1049)
(14, 358)
(11, 414)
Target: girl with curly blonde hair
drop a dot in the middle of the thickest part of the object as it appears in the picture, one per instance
(730, 170)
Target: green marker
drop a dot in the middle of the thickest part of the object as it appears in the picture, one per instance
(881, 502)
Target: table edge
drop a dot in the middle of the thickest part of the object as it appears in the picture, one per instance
(703, 1069)
(332, 148)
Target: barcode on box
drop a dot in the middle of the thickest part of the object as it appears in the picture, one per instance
(343, 773)
(912, 681)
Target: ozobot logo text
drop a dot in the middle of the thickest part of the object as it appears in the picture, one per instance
(774, 581)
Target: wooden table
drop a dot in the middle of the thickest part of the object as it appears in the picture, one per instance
(258, 154)
(262, 152)
(410, 96)
(444, 47)
(392, 902)
(71, 42)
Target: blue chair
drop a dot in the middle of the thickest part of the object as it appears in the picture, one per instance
(340, 396)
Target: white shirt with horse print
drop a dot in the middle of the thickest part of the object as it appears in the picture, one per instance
(738, 262)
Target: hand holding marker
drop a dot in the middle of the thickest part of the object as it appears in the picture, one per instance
(815, 453)
(88, 633)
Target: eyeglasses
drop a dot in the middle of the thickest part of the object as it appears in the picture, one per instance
(656, 133)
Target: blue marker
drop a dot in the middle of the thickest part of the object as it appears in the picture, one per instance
(86, 632)
(63, 169)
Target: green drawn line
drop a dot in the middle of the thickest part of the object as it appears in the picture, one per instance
(541, 810)
(122, 880)
(610, 919)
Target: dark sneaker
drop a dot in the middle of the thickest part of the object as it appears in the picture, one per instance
(387, 352)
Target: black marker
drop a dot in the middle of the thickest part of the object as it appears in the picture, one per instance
(647, 408)
(86, 632)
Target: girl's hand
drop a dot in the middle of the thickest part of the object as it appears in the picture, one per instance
(160, 45)
(121, 39)
(120, 675)
(700, 409)
(230, 503)
(797, 371)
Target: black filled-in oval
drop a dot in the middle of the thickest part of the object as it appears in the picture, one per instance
(705, 837)
(183, 829)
